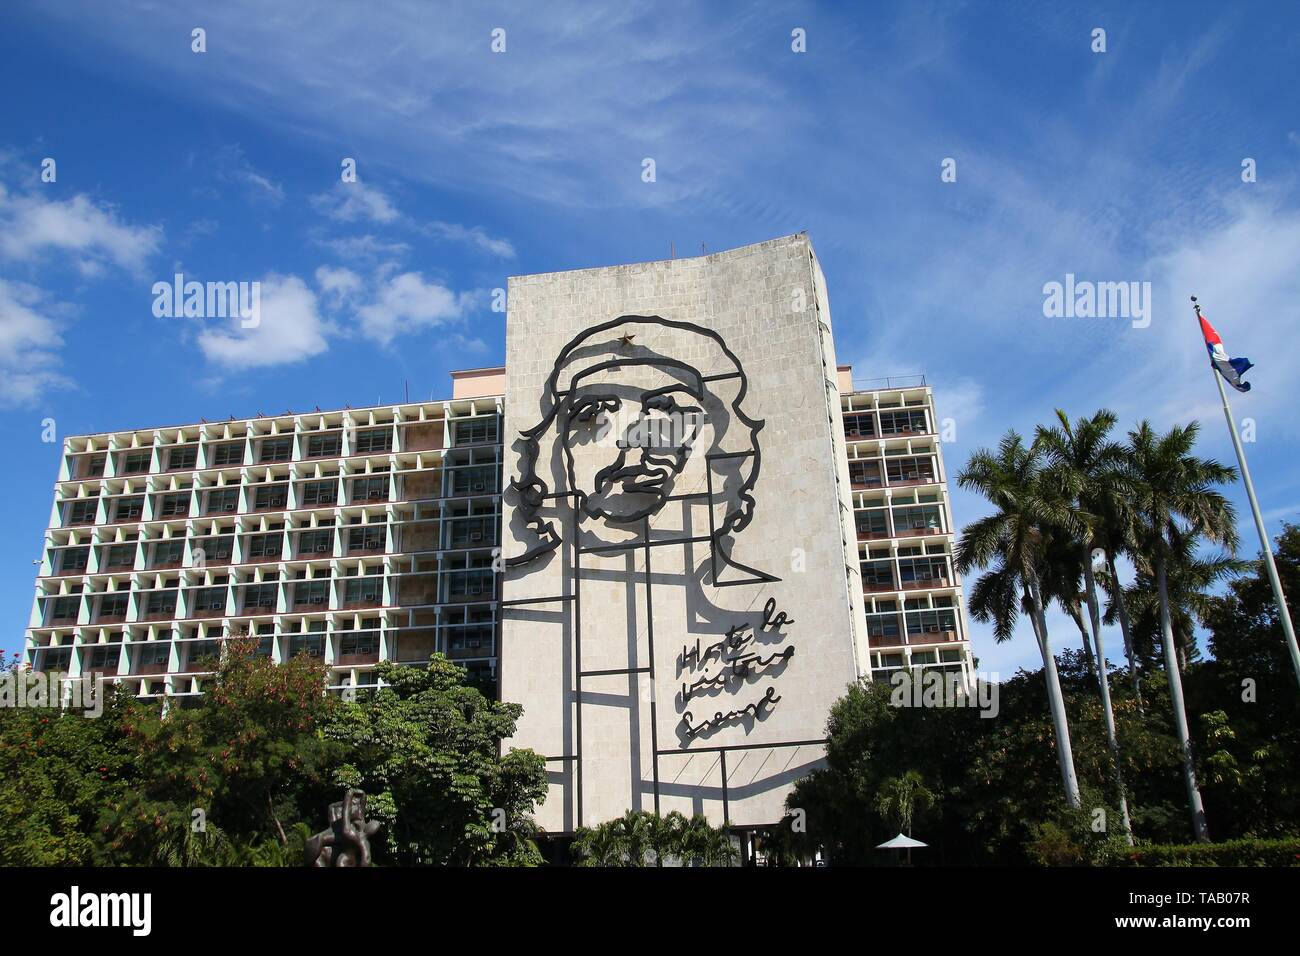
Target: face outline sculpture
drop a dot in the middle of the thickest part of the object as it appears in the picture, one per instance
(648, 434)
(658, 420)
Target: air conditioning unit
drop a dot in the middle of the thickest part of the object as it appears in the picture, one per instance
(216, 607)
(373, 496)
(476, 535)
(479, 486)
(227, 507)
(316, 600)
(321, 548)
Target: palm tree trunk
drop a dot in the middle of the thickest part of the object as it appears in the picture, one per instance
(1077, 616)
(1112, 741)
(1055, 699)
(1199, 827)
(1124, 629)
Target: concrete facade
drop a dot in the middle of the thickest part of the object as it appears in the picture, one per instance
(607, 630)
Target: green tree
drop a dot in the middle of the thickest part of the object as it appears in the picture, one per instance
(1087, 468)
(233, 771)
(426, 748)
(1174, 493)
(1014, 540)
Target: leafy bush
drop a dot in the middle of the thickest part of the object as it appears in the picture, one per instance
(1228, 853)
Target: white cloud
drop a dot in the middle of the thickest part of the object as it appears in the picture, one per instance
(291, 329)
(356, 202)
(405, 303)
(30, 225)
(29, 340)
(338, 283)
(474, 236)
(365, 247)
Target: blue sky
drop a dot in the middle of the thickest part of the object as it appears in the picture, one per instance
(1117, 166)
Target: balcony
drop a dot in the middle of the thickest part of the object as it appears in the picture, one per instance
(146, 670)
(921, 584)
(932, 637)
(876, 587)
(353, 660)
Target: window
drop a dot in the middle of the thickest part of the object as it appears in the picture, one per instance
(472, 481)
(104, 658)
(83, 511)
(112, 605)
(370, 489)
(135, 463)
(168, 552)
(128, 509)
(265, 545)
(362, 591)
(156, 654)
(119, 556)
(374, 441)
(92, 467)
(222, 500)
(222, 456)
(877, 574)
(897, 423)
(212, 550)
(320, 492)
(56, 659)
(177, 503)
(362, 642)
(161, 602)
(208, 599)
(311, 592)
(265, 647)
(470, 531)
(366, 539)
(468, 584)
(864, 473)
(203, 651)
(316, 542)
(476, 431)
(65, 608)
(313, 645)
(275, 449)
(859, 426)
(274, 495)
(182, 458)
(73, 560)
(260, 596)
(324, 446)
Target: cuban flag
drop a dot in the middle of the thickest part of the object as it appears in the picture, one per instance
(1232, 369)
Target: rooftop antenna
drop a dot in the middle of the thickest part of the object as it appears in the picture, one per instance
(672, 251)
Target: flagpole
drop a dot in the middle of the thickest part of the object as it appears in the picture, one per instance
(1287, 628)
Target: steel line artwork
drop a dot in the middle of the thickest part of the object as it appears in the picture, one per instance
(651, 478)
(598, 376)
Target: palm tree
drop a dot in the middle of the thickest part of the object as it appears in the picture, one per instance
(1086, 466)
(634, 832)
(1190, 579)
(1013, 541)
(666, 835)
(901, 797)
(601, 845)
(1174, 495)
(707, 845)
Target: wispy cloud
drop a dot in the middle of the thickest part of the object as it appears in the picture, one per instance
(90, 232)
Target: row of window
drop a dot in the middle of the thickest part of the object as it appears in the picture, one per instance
(263, 597)
(890, 423)
(462, 532)
(270, 450)
(265, 496)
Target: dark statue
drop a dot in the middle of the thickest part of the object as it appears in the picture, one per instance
(347, 841)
